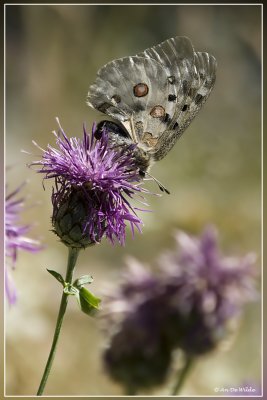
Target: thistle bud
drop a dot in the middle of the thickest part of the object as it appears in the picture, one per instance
(69, 220)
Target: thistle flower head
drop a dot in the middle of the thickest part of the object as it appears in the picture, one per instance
(206, 290)
(93, 185)
(138, 285)
(137, 354)
(15, 238)
(187, 304)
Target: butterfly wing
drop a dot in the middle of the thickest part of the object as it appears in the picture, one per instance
(196, 94)
(128, 89)
(156, 93)
(193, 74)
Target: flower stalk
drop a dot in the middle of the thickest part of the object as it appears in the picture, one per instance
(182, 376)
(93, 185)
(72, 258)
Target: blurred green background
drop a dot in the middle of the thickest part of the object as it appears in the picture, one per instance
(213, 173)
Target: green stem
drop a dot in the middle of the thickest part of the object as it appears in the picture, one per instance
(182, 376)
(72, 258)
(130, 390)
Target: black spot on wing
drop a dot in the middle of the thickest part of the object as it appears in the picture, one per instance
(167, 118)
(172, 97)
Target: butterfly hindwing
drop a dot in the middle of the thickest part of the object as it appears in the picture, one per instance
(202, 82)
(196, 90)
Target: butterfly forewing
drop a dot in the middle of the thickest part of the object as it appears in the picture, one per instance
(155, 94)
(118, 93)
(170, 52)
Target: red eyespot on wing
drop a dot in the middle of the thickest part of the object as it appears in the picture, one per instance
(140, 90)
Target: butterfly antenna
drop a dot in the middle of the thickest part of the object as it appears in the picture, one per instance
(162, 188)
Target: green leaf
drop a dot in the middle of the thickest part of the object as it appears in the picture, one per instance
(83, 280)
(57, 276)
(88, 302)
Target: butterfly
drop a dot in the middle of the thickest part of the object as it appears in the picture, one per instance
(152, 97)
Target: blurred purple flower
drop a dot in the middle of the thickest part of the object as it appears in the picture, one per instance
(15, 238)
(188, 304)
(137, 354)
(93, 185)
(206, 290)
(10, 289)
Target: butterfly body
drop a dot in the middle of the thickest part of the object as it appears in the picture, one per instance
(153, 96)
(119, 137)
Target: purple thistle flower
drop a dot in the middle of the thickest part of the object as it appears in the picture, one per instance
(15, 238)
(93, 185)
(206, 290)
(137, 354)
(187, 304)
